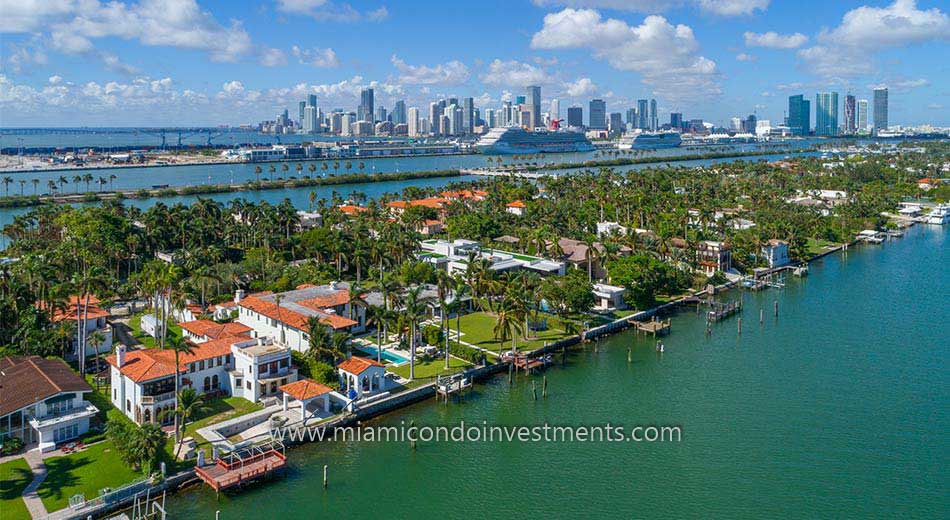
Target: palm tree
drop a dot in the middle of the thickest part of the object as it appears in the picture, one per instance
(179, 347)
(35, 182)
(414, 309)
(507, 325)
(189, 404)
(146, 443)
(96, 338)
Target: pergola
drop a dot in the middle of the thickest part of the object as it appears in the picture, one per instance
(306, 390)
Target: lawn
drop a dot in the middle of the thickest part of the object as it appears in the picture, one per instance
(98, 466)
(220, 409)
(135, 323)
(817, 246)
(477, 329)
(432, 368)
(15, 475)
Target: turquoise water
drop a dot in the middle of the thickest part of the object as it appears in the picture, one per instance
(387, 355)
(836, 408)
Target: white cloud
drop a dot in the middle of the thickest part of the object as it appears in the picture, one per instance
(666, 56)
(112, 63)
(513, 73)
(53, 80)
(913, 83)
(733, 7)
(582, 87)
(850, 48)
(317, 57)
(717, 7)
(21, 58)
(328, 11)
(775, 40)
(746, 57)
(72, 25)
(273, 58)
(451, 73)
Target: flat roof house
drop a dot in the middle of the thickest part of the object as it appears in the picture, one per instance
(42, 401)
(454, 257)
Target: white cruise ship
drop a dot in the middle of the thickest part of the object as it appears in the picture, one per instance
(940, 215)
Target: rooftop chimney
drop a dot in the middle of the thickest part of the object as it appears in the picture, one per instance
(120, 355)
(238, 295)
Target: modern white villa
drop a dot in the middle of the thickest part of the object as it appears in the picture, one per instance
(42, 402)
(776, 253)
(454, 257)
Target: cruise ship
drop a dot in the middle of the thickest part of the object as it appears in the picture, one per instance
(513, 140)
(940, 215)
(646, 140)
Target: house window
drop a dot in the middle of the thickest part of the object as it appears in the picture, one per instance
(201, 365)
(238, 382)
(128, 405)
(115, 394)
(248, 384)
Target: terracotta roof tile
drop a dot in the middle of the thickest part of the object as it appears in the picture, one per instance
(357, 365)
(304, 389)
(148, 364)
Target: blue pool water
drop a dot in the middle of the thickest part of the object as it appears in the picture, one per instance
(388, 356)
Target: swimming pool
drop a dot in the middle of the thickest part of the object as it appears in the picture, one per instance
(387, 355)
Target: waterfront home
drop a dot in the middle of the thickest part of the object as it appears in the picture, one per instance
(42, 402)
(308, 220)
(429, 227)
(397, 207)
(351, 210)
(577, 254)
(361, 377)
(466, 195)
(871, 236)
(143, 381)
(910, 211)
(776, 253)
(516, 207)
(78, 309)
(608, 297)
(711, 256)
(285, 316)
(454, 257)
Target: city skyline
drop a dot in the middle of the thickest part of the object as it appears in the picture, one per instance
(235, 63)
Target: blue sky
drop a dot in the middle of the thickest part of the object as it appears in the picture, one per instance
(188, 62)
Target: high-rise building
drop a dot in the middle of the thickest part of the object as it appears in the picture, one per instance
(312, 100)
(826, 113)
(519, 100)
(749, 124)
(598, 115)
(632, 117)
(412, 120)
(303, 105)
(381, 114)
(735, 124)
(309, 123)
(799, 115)
(849, 116)
(534, 99)
(654, 121)
(676, 120)
(643, 114)
(575, 116)
(399, 112)
(468, 115)
(862, 122)
(616, 123)
(435, 117)
(365, 111)
(555, 109)
(880, 109)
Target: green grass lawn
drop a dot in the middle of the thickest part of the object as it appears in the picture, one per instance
(817, 246)
(87, 472)
(477, 329)
(220, 409)
(431, 369)
(15, 475)
(135, 323)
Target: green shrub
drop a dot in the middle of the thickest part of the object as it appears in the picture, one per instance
(11, 445)
(432, 335)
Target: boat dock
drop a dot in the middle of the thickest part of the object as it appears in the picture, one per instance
(528, 364)
(240, 467)
(452, 384)
(722, 311)
(654, 326)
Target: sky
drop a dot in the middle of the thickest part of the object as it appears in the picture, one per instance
(190, 62)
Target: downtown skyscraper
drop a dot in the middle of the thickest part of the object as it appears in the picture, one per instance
(654, 120)
(598, 115)
(799, 115)
(862, 122)
(365, 110)
(826, 113)
(643, 114)
(534, 100)
(849, 115)
(880, 109)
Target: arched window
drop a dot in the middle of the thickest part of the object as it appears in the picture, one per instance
(147, 417)
(207, 387)
(214, 381)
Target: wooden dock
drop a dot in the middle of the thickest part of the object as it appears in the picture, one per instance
(453, 384)
(723, 311)
(242, 467)
(528, 364)
(654, 326)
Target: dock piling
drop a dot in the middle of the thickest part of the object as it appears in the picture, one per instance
(325, 476)
(629, 354)
(534, 389)
(776, 307)
(761, 316)
(511, 370)
(544, 386)
(739, 325)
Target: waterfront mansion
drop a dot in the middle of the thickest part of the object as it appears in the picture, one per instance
(143, 381)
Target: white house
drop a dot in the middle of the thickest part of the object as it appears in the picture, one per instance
(143, 381)
(454, 257)
(516, 207)
(42, 402)
(288, 323)
(610, 228)
(78, 309)
(776, 253)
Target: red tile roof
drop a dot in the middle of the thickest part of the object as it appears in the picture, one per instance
(297, 320)
(214, 330)
(516, 204)
(351, 210)
(357, 365)
(72, 303)
(148, 364)
(304, 389)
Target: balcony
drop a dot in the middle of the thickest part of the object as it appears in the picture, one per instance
(87, 410)
(279, 374)
(158, 398)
